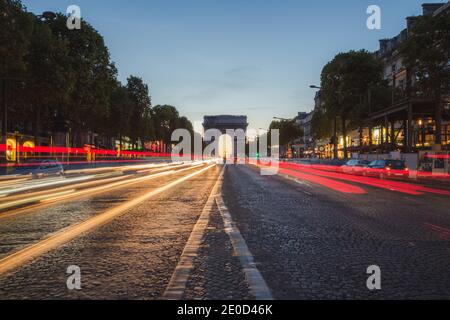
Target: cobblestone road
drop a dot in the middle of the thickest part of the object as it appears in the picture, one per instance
(132, 257)
(307, 241)
(313, 243)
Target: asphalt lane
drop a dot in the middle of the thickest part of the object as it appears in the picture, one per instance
(313, 242)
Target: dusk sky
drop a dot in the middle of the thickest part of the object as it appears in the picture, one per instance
(255, 58)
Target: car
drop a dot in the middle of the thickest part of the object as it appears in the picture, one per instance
(48, 168)
(387, 168)
(354, 166)
(336, 162)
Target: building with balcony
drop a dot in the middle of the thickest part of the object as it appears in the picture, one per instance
(408, 123)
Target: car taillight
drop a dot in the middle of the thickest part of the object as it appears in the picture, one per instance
(388, 169)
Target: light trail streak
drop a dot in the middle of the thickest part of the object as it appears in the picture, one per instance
(63, 236)
(34, 184)
(100, 178)
(75, 187)
(122, 168)
(441, 232)
(328, 183)
(15, 180)
(391, 185)
(90, 192)
(32, 199)
(325, 182)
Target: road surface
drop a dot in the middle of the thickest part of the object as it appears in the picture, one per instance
(207, 231)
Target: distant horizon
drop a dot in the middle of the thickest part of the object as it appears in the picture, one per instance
(232, 58)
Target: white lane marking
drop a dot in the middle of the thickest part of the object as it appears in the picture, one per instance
(177, 284)
(65, 235)
(256, 282)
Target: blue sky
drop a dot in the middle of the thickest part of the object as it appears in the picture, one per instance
(252, 57)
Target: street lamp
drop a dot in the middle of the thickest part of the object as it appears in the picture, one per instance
(335, 144)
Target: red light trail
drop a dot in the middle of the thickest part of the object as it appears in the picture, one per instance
(403, 187)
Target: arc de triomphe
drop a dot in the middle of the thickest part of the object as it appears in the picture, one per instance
(224, 122)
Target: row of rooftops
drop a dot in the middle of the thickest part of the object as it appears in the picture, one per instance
(389, 46)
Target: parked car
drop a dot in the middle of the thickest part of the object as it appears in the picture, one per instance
(26, 167)
(48, 168)
(335, 162)
(354, 166)
(387, 168)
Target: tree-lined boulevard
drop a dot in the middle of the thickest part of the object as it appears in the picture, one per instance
(106, 195)
(57, 80)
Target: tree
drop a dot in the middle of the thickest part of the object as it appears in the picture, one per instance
(184, 123)
(345, 82)
(58, 79)
(119, 113)
(426, 52)
(140, 114)
(91, 72)
(166, 120)
(289, 131)
(15, 30)
(321, 125)
(45, 63)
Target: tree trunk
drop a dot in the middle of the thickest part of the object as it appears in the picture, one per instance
(438, 120)
(361, 139)
(344, 133)
(393, 137)
(335, 139)
(36, 123)
(5, 111)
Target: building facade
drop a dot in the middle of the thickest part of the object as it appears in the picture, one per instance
(408, 123)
